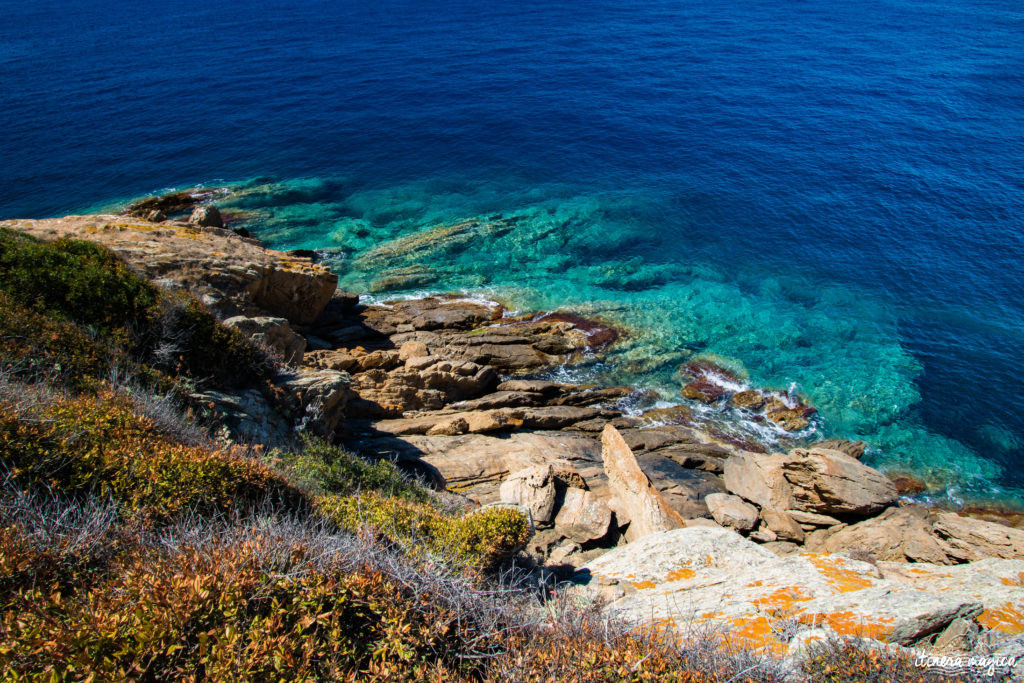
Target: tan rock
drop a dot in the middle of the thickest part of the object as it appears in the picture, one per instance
(897, 535)
(854, 449)
(412, 349)
(815, 480)
(632, 491)
(206, 216)
(782, 525)
(979, 539)
(321, 395)
(583, 516)
(533, 488)
(731, 511)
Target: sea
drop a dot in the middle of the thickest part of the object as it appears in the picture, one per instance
(826, 198)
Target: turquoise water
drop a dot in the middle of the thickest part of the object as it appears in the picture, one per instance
(826, 196)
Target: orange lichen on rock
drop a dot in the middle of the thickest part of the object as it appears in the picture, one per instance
(1018, 581)
(844, 580)
(1008, 618)
(643, 585)
(851, 624)
(781, 601)
(681, 574)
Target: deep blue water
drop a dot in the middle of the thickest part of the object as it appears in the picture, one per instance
(823, 193)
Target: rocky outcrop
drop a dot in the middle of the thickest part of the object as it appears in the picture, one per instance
(272, 333)
(813, 480)
(731, 511)
(916, 534)
(633, 497)
(714, 579)
(230, 274)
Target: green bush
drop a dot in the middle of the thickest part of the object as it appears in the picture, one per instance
(479, 540)
(47, 288)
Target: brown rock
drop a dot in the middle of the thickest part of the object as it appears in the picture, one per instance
(854, 449)
(412, 349)
(583, 516)
(815, 480)
(271, 333)
(703, 391)
(978, 539)
(632, 491)
(731, 511)
(898, 535)
(789, 419)
(782, 525)
(751, 399)
(906, 484)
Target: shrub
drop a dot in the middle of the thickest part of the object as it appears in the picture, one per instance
(480, 540)
(99, 444)
(323, 468)
(49, 288)
(849, 661)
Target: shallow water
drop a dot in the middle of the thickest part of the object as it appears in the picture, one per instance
(822, 195)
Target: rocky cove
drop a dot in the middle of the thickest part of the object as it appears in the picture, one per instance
(664, 521)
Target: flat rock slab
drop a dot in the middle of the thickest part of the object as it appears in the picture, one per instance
(701, 577)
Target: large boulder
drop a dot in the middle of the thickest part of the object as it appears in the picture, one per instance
(976, 539)
(272, 333)
(897, 535)
(319, 398)
(633, 496)
(583, 516)
(812, 480)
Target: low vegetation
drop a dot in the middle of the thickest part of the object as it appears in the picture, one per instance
(133, 546)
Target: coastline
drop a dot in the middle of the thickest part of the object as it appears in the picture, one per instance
(450, 388)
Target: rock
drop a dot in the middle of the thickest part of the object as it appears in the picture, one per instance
(978, 539)
(246, 416)
(412, 349)
(207, 217)
(429, 385)
(321, 397)
(960, 636)
(156, 216)
(906, 484)
(731, 511)
(294, 292)
(632, 492)
(812, 519)
(272, 333)
(449, 427)
(790, 420)
(897, 535)
(815, 480)
(583, 516)
(555, 417)
(703, 391)
(751, 399)
(704, 577)
(533, 488)
(763, 535)
(782, 525)
(854, 449)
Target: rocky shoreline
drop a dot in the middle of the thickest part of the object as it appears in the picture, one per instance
(644, 509)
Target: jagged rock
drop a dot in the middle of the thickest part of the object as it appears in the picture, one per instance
(533, 488)
(321, 396)
(789, 419)
(898, 534)
(583, 516)
(207, 217)
(731, 511)
(633, 495)
(429, 386)
(977, 539)
(703, 391)
(960, 636)
(814, 480)
(782, 525)
(156, 216)
(246, 417)
(272, 333)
